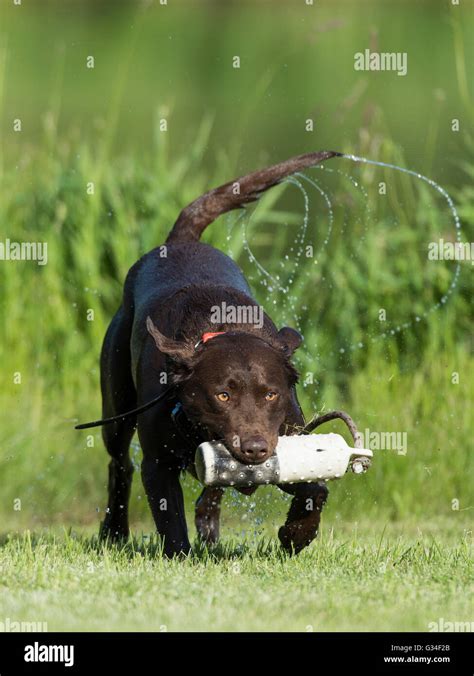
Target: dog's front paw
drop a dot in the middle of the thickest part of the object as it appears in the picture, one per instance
(113, 531)
(207, 515)
(207, 527)
(297, 535)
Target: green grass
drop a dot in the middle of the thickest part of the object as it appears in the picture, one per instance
(394, 548)
(362, 578)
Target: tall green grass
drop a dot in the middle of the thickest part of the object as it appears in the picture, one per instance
(87, 128)
(401, 384)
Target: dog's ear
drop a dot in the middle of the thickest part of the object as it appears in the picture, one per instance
(289, 339)
(178, 350)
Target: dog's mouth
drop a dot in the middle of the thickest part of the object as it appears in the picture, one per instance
(245, 457)
(253, 450)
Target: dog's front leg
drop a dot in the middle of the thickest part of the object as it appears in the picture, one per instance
(302, 522)
(165, 497)
(207, 514)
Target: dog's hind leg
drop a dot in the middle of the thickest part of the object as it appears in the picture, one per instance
(207, 514)
(302, 522)
(118, 396)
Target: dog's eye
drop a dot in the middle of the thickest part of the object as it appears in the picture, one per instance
(271, 396)
(223, 396)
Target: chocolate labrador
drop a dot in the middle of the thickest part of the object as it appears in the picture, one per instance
(190, 339)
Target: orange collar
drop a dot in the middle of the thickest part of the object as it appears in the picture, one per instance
(208, 336)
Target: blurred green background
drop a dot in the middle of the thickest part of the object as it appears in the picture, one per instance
(102, 125)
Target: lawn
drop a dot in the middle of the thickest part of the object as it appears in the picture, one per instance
(356, 577)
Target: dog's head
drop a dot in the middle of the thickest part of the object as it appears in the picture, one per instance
(237, 385)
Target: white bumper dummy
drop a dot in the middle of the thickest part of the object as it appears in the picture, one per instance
(303, 458)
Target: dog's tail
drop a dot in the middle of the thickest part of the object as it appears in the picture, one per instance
(194, 218)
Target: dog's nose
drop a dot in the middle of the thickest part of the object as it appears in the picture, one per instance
(255, 449)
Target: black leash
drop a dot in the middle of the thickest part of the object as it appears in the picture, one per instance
(128, 414)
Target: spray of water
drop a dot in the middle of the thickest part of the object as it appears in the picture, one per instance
(328, 202)
(360, 188)
(286, 301)
(444, 299)
(272, 283)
